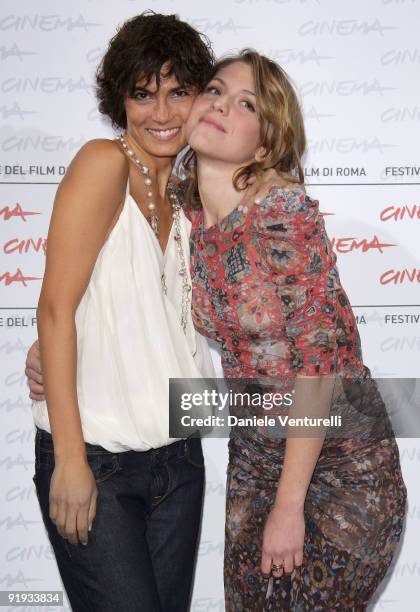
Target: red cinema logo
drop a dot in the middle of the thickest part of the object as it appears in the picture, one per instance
(17, 211)
(17, 277)
(400, 276)
(23, 246)
(349, 244)
(398, 213)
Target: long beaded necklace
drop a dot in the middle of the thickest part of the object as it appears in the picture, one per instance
(154, 222)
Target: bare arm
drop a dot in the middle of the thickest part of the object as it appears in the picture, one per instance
(312, 398)
(85, 205)
(285, 529)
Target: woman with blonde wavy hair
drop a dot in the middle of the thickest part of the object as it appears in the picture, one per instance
(313, 519)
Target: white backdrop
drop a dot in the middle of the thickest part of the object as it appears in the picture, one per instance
(356, 67)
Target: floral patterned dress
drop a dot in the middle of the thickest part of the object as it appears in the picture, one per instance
(265, 286)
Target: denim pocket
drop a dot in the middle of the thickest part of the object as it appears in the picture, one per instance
(195, 452)
(103, 466)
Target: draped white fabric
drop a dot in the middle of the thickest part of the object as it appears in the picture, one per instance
(130, 340)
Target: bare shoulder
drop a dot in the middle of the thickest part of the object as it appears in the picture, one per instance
(99, 167)
(103, 147)
(100, 154)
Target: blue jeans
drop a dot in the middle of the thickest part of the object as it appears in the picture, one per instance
(141, 552)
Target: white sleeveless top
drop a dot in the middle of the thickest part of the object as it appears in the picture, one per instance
(130, 340)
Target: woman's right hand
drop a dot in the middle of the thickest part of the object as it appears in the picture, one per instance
(33, 371)
(73, 495)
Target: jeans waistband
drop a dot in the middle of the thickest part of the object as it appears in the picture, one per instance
(44, 442)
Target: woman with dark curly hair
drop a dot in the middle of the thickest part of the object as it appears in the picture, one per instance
(120, 499)
(114, 323)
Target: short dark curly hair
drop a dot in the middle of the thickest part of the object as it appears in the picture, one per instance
(140, 48)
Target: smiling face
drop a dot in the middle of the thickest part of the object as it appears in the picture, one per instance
(223, 124)
(156, 115)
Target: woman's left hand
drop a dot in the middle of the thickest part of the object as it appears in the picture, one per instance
(283, 539)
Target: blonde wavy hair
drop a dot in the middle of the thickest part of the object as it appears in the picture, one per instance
(282, 128)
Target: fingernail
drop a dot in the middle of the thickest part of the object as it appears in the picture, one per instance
(257, 201)
(84, 543)
(90, 527)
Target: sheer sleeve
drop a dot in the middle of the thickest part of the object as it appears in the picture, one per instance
(180, 187)
(297, 255)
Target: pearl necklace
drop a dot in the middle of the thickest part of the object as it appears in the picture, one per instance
(154, 222)
(154, 219)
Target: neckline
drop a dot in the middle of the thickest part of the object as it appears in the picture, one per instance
(163, 252)
(236, 216)
(223, 220)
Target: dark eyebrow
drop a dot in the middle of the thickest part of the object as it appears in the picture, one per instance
(178, 87)
(223, 83)
(143, 88)
(148, 90)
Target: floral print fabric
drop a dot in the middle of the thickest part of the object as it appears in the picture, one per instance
(266, 287)
(354, 514)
